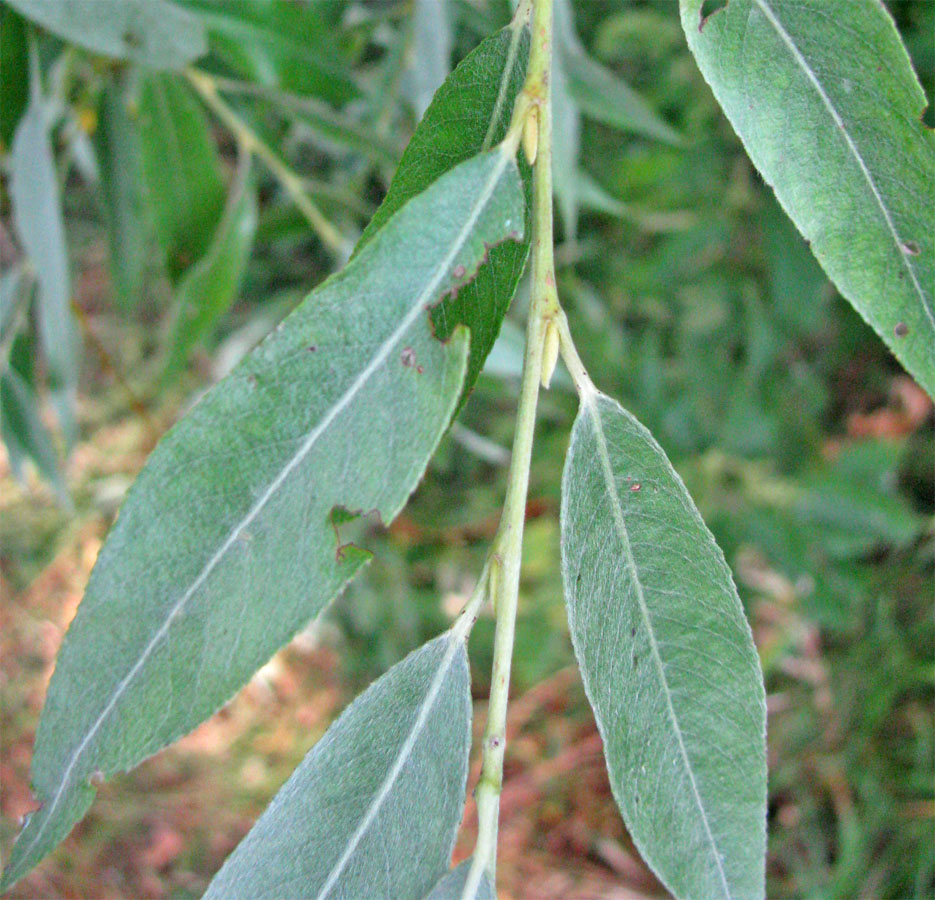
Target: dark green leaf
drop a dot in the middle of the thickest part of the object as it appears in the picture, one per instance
(667, 659)
(374, 808)
(181, 170)
(823, 96)
(210, 286)
(154, 33)
(224, 546)
(119, 158)
(14, 73)
(24, 433)
(471, 111)
(278, 45)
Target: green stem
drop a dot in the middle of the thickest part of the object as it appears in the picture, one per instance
(286, 176)
(507, 546)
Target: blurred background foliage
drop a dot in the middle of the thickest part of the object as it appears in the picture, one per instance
(197, 211)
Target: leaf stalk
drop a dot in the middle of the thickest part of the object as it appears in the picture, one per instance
(291, 181)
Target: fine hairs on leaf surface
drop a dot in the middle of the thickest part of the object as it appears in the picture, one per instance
(228, 543)
(666, 657)
(468, 114)
(224, 539)
(373, 809)
(827, 105)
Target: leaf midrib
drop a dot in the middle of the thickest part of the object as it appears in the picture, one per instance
(401, 758)
(589, 400)
(802, 62)
(417, 309)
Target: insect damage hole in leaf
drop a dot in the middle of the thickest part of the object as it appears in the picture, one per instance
(708, 9)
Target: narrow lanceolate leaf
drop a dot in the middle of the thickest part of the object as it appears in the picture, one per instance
(598, 92)
(209, 287)
(119, 158)
(823, 96)
(431, 50)
(667, 659)
(451, 886)
(374, 808)
(154, 33)
(14, 74)
(24, 432)
(225, 545)
(470, 112)
(181, 170)
(37, 215)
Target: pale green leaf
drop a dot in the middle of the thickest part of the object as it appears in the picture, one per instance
(330, 128)
(823, 96)
(667, 659)
(154, 33)
(181, 170)
(470, 112)
(604, 97)
(210, 286)
(224, 547)
(566, 145)
(37, 217)
(451, 886)
(431, 50)
(373, 810)
(506, 358)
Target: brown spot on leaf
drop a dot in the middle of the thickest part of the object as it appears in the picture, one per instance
(408, 357)
(901, 329)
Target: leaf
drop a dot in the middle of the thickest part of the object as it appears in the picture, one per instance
(119, 157)
(224, 548)
(506, 358)
(566, 144)
(278, 45)
(431, 50)
(330, 128)
(24, 433)
(824, 99)
(37, 216)
(373, 810)
(470, 112)
(155, 33)
(14, 73)
(181, 170)
(666, 657)
(210, 286)
(582, 86)
(451, 886)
